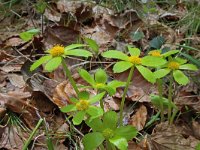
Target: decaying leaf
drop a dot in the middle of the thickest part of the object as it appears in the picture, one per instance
(167, 137)
(138, 120)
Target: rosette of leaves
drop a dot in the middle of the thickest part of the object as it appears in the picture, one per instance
(99, 81)
(175, 65)
(106, 129)
(54, 56)
(83, 107)
(134, 60)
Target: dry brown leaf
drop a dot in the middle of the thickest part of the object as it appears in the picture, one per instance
(16, 80)
(172, 137)
(112, 103)
(138, 120)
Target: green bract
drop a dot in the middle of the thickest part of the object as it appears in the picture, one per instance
(83, 106)
(136, 61)
(54, 57)
(175, 66)
(106, 129)
(99, 81)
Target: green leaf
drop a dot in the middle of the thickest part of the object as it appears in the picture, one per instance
(74, 100)
(146, 73)
(157, 101)
(137, 35)
(79, 117)
(53, 64)
(180, 60)
(169, 53)
(96, 124)
(152, 61)
(188, 67)
(127, 132)
(28, 35)
(92, 140)
(83, 95)
(180, 77)
(115, 54)
(122, 66)
(111, 91)
(110, 119)
(157, 42)
(115, 84)
(73, 46)
(197, 146)
(161, 73)
(68, 108)
(93, 44)
(86, 76)
(134, 51)
(40, 61)
(120, 142)
(96, 98)
(100, 76)
(94, 112)
(78, 52)
(40, 6)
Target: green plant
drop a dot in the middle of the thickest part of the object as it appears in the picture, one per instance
(56, 56)
(100, 82)
(133, 61)
(106, 129)
(28, 35)
(83, 106)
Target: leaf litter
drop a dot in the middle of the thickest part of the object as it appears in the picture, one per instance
(26, 94)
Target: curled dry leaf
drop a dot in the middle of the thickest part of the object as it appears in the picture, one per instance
(138, 120)
(167, 137)
(112, 103)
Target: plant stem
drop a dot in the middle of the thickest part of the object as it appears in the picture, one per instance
(68, 74)
(124, 95)
(32, 134)
(160, 91)
(101, 102)
(170, 97)
(102, 147)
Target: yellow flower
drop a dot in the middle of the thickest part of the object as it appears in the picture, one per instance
(155, 53)
(135, 60)
(82, 105)
(173, 65)
(57, 50)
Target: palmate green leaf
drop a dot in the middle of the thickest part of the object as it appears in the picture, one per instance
(100, 76)
(92, 140)
(94, 112)
(180, 77)
(53, 64)
(120, 142)
(78, 118)
(146, 73)
(73, 46)
(86, 76)
(40, 61)
(96, 124)
(169, 53)
(122, 66)
(152, 61)
(110, 119)
(78, 52)
(92, 44)
(127, 132)
(115, 54)
(68, 108)
(161, 73)
(96, 98)
(134, 51)
(188, 67)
